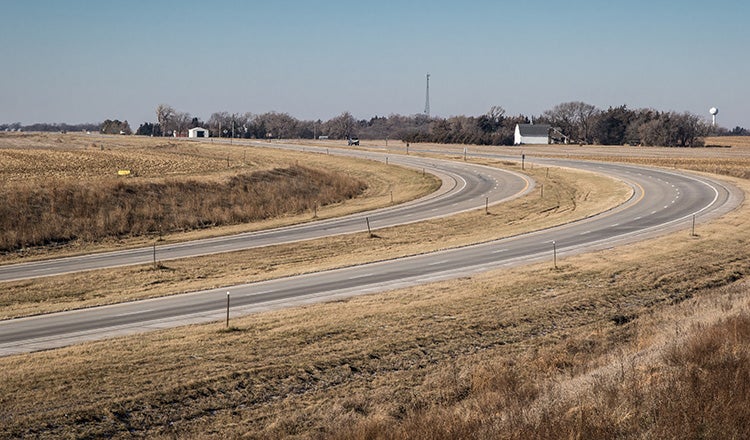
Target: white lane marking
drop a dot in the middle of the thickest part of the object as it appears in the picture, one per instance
(135, 313)
(362, 276)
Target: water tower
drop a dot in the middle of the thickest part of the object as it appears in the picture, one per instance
(714, 111)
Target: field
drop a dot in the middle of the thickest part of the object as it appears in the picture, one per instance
(647, 341)
(83, 170)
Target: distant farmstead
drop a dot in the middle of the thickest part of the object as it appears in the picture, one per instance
(531, 134)
(198, 132)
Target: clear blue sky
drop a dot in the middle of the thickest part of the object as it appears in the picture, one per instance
(85, 61)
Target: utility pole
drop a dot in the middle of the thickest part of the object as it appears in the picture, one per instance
(427, 98)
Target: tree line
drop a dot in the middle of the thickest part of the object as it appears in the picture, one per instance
(570, 122)
(49, 127)
(580, 123)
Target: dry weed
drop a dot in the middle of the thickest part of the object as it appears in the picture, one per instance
(58, 212)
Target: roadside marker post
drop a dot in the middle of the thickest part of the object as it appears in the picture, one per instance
(227, 309)
(692, 233)
(554, 253)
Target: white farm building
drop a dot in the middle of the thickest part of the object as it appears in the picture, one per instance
(198, 132)
(531, 134)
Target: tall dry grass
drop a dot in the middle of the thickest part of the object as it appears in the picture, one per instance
(60, 211)
(523, 353)
(697, 385)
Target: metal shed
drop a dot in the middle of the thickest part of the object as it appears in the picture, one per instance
(198, 132)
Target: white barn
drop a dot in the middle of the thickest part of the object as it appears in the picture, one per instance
(198, 132)
(531, 134)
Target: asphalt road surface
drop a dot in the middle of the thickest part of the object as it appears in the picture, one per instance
(663, 201)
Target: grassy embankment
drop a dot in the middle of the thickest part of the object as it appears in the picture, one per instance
(57, 212)
(62, 188)
(650, 340)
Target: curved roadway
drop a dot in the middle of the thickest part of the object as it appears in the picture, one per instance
(464, 187)
(662, 201)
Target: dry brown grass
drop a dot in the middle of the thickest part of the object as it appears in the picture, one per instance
(731, 160)
(47, 159)
(728, 141)
(31, 158)
(592, 349)
(568, 196)
(728, 156)
(57, 212)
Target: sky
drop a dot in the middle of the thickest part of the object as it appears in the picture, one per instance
(80, 61)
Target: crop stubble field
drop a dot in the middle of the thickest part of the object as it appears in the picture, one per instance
(28, 163)
(619, 343)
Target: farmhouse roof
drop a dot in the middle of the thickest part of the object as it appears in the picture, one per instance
(533, 129)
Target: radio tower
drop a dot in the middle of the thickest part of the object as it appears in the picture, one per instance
(427, 98)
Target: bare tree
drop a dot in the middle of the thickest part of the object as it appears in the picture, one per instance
(575, 119)
(492, 120)
(241, 124)
(218, 122)
(181, 121)
(341, 126)
(277, 125)
(164, 115)
(672, 129)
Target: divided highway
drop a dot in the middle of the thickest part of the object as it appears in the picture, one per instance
(662, 201)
